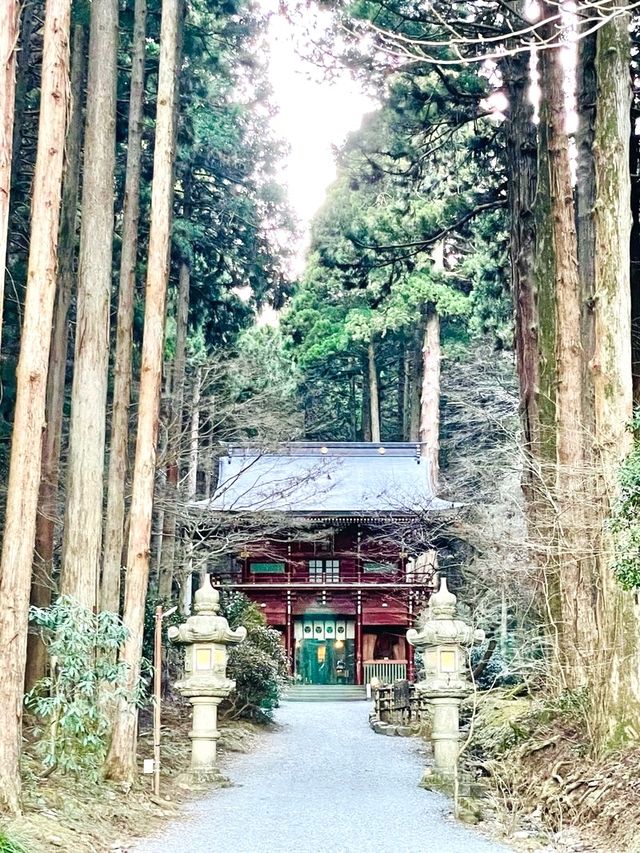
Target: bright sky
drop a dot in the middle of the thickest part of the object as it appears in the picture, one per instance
(314, 114)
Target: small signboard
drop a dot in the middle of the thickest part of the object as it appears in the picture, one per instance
(148, 766)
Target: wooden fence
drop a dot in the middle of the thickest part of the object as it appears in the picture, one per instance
(386, 671)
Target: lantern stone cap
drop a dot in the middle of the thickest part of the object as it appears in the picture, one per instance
(206, 598)
(443, 602)
(207, 625)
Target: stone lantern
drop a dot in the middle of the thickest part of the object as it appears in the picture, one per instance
(441, 643)
(206, 636)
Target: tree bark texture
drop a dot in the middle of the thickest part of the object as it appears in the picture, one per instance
(42, 581)
(415, 384)
(522, 167)
(29, 419)
(635, 257)
(22, 71)
(572, 295)
(366, 401)
(430, 398)
(9, 28)
(85, 474)
(174, 437)
(194, 443)
(374, 396)
(616, 682)
(577, 628)
(119, 439)
(121, 761)
(402, 393)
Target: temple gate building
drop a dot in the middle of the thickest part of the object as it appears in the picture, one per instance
(342, 553)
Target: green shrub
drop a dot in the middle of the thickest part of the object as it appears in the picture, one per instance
(10, 845)
(626, 517)
(71, 702)
(259, 665)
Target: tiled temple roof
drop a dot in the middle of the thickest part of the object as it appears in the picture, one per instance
(325, 478)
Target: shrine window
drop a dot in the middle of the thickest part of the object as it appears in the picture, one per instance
(374, 568)
(324, 571)
(267, 568)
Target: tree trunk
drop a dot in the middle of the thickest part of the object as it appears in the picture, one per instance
(192, 487)
(415, 384)
(194, 449)
(119, 443)
(22, 78)
(401, 392)
(26, 449)
(374, 397)
(406, 394)
(9, 27)
(523, 172)
(174, 439)
(635, 260)
(121, 761)
(82, 542)
(616, 680)
(430, 398)
(42, 581)
(577, 629)
(366, 402)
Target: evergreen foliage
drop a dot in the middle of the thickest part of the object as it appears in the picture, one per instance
(259, 664)
(71, 703)
(626, 519)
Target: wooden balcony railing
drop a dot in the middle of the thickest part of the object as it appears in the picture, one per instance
(330, 580)
(386, 671)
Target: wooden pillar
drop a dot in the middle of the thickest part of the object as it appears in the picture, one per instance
(359, 667)
(289, 639)
(411, 669)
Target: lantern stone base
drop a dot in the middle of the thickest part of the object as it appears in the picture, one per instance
(445, 734)
(202, 780)
(204, 732)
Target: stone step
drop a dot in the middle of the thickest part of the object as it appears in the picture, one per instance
(325, 693)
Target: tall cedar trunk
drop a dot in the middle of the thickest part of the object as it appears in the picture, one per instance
(616, 684)
(406, 393)
(119, 439)
(186, 583)
(85, 474)
(635, 257)
(415, 384)
(374, 397)
(522, 168)
(430, 398)
(574, 566)
(121, 761)
(174, 438)
(194, 444)
(366, 401)
(42, 580)
(160, 488)
(26, 449)
(401, 392)
(22, 80)
(9, 26)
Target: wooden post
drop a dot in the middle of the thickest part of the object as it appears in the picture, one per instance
(359, 678)
(157, 695)
(289, 636)
(411, 674)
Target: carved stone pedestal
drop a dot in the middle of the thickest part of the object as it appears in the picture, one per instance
(206, 636)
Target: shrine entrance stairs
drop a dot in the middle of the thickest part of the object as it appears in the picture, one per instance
(325, 693)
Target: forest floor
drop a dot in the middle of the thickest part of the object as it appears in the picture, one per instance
(66, 813)
(545, 791)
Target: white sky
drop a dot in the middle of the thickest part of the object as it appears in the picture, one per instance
(314, 114)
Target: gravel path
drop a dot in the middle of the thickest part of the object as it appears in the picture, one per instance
(324, 783)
